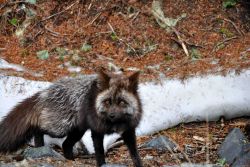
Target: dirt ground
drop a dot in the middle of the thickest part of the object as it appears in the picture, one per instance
(92, 33)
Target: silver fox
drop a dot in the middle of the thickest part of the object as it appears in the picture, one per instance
(104, 103)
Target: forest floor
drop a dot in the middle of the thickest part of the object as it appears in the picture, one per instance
(64, 38)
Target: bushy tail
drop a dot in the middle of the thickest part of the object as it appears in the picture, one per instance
(19, 125)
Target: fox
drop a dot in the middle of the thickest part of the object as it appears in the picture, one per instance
(104, 102)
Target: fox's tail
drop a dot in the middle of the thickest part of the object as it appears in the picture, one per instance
(19, 125)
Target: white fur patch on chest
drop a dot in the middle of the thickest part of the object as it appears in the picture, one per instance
(118, 129)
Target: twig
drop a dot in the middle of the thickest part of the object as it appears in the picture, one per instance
(171, 151)
(181, 41)
(235, 27)
(97, 15)
(207, 140)
(103, 32)
(116, 144)
(51, 16)
(39, 33)
(135, 16)
(3, 5)
(90, 5)
(121, 40)
(1, 49)
(188, 43)
(178, 148)
(112, 29)
(193, 44)
(222, 42)
(244, 52)
(52, 32)
(87, 156)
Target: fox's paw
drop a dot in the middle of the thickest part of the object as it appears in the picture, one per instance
(69, 156)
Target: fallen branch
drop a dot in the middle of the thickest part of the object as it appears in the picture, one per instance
(3, 5)
(1, 49)
(234, 25)
(222, 42)
(168, 23)
(121, 40)
(97, 15)
(56, 34)
(51, 16)
(181, 41)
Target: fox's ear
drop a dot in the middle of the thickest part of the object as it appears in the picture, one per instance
(103, 78)
(134, 81)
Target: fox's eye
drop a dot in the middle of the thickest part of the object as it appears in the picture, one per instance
(122, 102)
(107, 102)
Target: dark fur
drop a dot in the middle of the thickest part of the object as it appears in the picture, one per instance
(16, 129)
(23, 121)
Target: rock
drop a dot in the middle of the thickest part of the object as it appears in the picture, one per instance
(154, 67)
(7, 165)
(161, 143)
(148, 157)
(25, 163)
(189, 149)
(113, 165)
(193, 165)
(80, 149)
(44, 165)
(243, 160)
(41, 152)
(132, 69)
(232, 146)
(247, 130)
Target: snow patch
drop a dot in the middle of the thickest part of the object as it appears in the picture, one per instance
(5, 65)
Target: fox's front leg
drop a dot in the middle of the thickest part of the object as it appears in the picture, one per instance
(99, 150)
(130, 140)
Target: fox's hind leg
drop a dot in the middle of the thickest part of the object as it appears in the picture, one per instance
(38, 139)
(73, 136)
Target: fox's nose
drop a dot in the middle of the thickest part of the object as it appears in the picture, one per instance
(112, 115)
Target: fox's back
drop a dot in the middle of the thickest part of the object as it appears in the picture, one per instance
(60, 104)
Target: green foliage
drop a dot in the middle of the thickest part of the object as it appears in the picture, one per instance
(31, 1)
(24, 53)
(61, 52)
(75, 59)
(43, 54)
(195, 54)
(14, 22)
(226, 32)
(86, 47)
(169, 57)
(229, 3)
(221, 162)
(220, 46)
(149, 48)
(114, 37)
(164, 22)
(141, 51)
